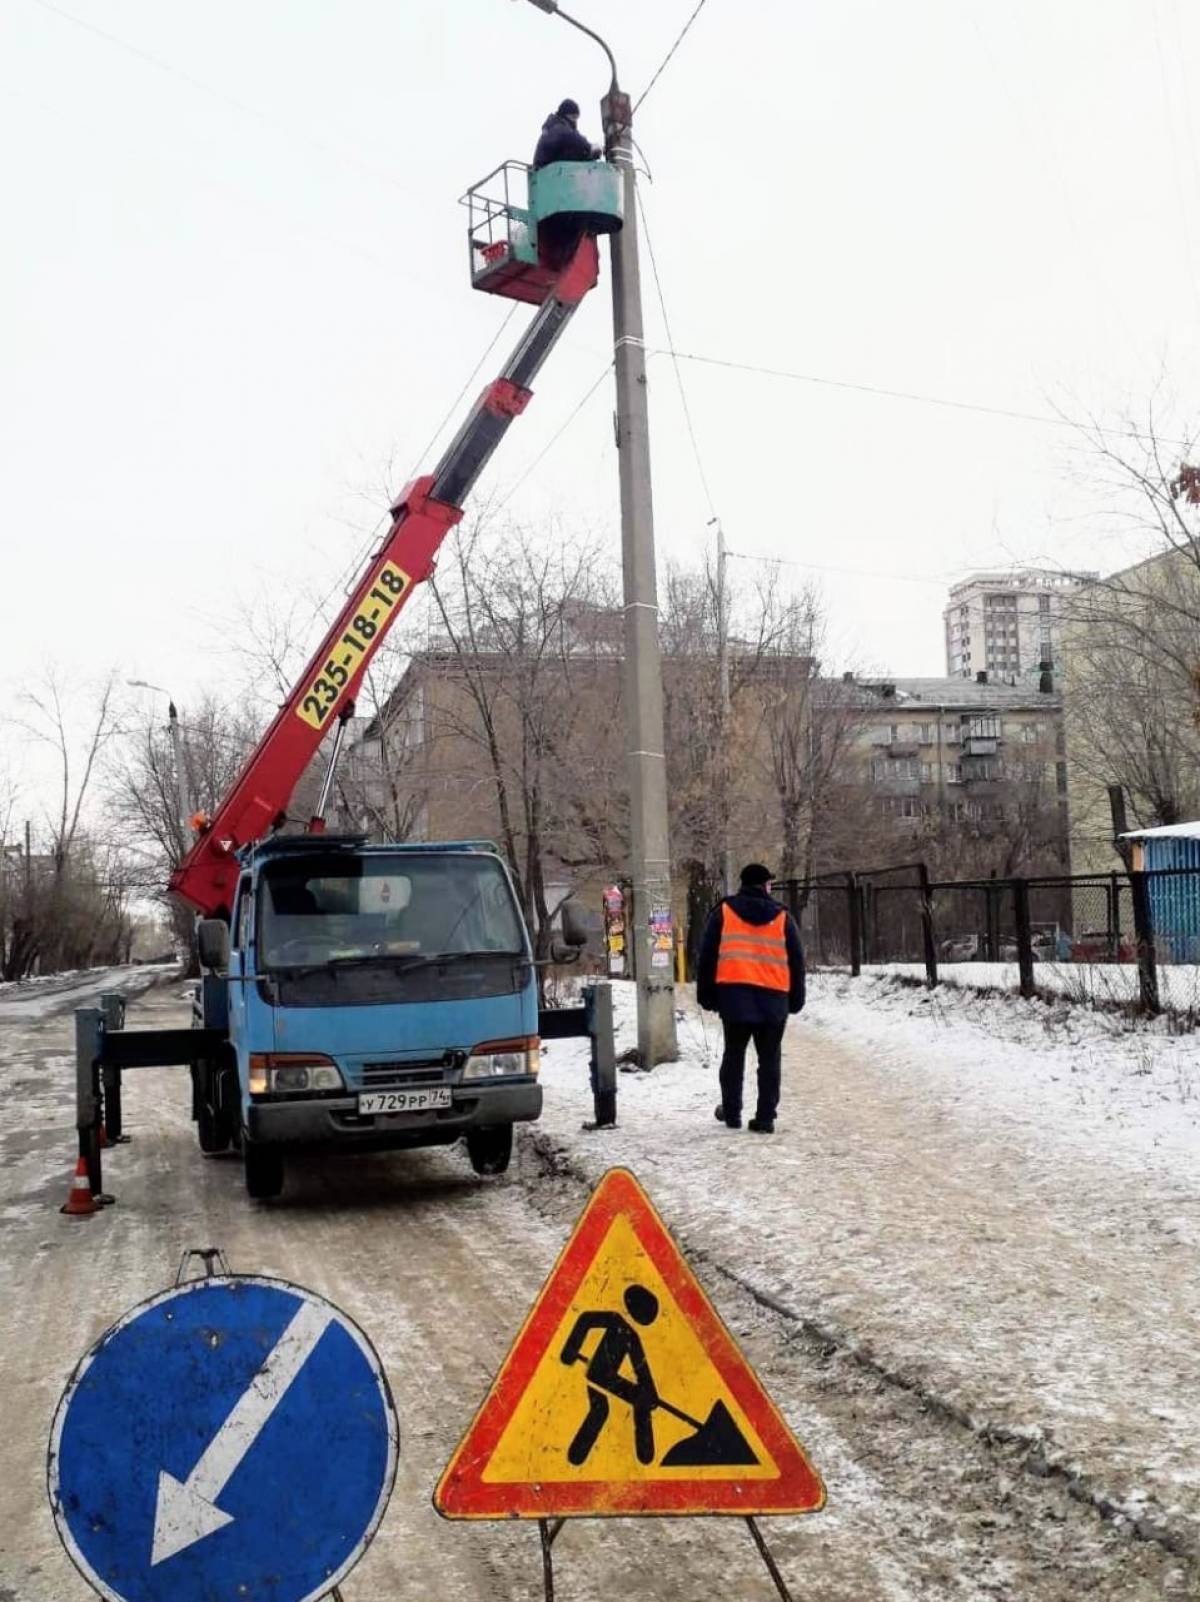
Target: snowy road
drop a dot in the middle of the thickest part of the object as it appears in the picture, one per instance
(439, 1267)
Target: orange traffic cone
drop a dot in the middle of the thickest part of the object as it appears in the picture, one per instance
(80, 1202)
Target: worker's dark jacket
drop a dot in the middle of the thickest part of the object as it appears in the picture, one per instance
(561, 142)
(749, 1004)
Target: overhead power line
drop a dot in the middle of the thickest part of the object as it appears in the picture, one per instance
(559, 432)
(916, 396)
(226, 99)
(662, 64)
(687, 413)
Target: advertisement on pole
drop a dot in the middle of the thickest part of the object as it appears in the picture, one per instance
(662, 938)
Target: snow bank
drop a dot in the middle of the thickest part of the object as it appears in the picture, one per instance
(1088, 982)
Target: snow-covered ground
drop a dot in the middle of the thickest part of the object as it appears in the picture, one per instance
(1092, 982)
(995, 1201)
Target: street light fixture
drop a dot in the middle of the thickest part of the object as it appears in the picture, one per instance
(182, 785)
(650, 856)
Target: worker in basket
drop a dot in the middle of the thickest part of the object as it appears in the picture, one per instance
(561, 140)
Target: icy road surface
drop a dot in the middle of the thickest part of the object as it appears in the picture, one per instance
(878, 1220)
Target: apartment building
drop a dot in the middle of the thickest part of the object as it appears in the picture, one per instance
(972, 753)
(1006, 624)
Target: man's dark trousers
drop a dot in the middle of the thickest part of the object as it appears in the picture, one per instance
(768, 1046)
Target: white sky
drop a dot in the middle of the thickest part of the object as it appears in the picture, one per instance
(234, 303)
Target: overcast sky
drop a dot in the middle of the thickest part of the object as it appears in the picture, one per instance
(234, 304)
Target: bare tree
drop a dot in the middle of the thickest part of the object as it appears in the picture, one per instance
(58, 914)
(762, 774)
(1132, 659)
(143, 787)
(526, 684)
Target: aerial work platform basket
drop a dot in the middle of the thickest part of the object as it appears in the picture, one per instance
(519, 249)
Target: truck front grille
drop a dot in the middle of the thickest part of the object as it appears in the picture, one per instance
(408, 1075)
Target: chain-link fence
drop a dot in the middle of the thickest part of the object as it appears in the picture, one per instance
(1140, 922)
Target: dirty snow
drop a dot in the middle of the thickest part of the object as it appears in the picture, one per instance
(46, 994)
(440, 1267)
(995, 1201)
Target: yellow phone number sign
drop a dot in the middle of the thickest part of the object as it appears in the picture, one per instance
(388, 589)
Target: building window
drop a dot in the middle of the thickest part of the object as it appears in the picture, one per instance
(1029, 733)
(902, 806)
(883, 771)
(984, 728)
(1043, 603)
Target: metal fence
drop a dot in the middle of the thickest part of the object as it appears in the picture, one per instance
(900, 915)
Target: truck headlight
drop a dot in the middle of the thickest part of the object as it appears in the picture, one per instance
(496, 1059)
(294, 1072)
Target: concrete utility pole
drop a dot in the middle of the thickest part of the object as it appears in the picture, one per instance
(651, 929)
(182, 786)
(723, 675)
(649, 839)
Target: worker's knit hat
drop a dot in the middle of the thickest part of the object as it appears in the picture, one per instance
(755, 875)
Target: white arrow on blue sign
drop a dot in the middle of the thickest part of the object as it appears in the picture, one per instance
(233, 1437)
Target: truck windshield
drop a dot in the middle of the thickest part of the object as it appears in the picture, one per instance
(340, 908)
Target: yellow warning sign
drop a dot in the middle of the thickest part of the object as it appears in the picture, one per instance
(625, 1393)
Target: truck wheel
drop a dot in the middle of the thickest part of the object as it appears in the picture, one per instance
(264, 1169)
(490, 1149)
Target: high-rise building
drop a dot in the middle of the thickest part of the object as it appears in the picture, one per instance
(1007, 624)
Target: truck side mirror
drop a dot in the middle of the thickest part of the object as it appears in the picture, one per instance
(573, 924)
(212, 944)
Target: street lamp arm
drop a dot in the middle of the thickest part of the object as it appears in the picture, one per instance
(552, 8)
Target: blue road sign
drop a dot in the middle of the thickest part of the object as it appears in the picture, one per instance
(231, 1438)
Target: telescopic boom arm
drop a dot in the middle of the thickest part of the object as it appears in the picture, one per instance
(425, 512)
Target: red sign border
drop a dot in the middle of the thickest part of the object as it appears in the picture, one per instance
(462, 1493)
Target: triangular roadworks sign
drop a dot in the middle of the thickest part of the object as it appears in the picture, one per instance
(624, 1393)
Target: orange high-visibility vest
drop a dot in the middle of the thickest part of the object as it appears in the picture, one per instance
(753, 953)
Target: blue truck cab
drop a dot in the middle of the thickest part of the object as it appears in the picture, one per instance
(370, 997)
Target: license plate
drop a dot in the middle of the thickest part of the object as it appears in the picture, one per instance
(404, 1101)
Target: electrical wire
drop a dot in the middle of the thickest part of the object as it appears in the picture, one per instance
(452, 409)
(348, 576)
(901, 394)
(559, 432)
(687, 412)
(662, 64)
(226, 99)
(938, 581)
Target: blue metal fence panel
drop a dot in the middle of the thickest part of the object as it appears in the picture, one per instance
(1175, 896)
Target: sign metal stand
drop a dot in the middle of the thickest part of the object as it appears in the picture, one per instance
(550, 1529)
(620, 1349)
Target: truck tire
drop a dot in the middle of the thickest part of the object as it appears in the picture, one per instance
(263, 1168)
(490, 1149)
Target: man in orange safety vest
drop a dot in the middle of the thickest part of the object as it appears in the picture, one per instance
(751, 971)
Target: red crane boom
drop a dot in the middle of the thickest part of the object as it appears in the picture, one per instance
(421, 518)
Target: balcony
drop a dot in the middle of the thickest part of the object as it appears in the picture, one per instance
(980, 745)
